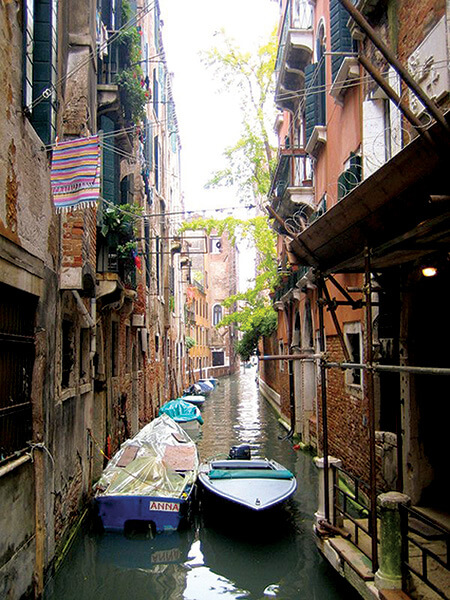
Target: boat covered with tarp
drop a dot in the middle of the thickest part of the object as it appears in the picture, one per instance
(186, 414)
(151, 479)
(181, 411)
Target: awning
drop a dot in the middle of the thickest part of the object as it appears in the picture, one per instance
(392, 212)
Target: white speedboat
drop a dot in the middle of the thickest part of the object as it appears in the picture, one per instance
(256, 484)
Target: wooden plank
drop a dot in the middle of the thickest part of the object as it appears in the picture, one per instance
(353, 557)
(128, 455)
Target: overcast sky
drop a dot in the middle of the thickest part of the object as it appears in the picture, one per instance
(208, 121)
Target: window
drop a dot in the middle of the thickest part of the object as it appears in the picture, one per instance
(215, 245)
(281, 352)
(156, 157)
(68, 356)
(40, 69)
(155, 93)
(353, 339)
(127, 189)
(218, 358)
(110, 162)
(17, 316)
(159, 265)
(351, 177)
(217, 314)
(315, 91)
(114, 348)
(85, 338)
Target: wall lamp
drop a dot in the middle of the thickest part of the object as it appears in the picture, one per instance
(429, 271)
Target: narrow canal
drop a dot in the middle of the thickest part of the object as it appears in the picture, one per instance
(214, 560)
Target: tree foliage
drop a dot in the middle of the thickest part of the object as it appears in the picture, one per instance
(249, 164)
(250, 77)
(251, 310)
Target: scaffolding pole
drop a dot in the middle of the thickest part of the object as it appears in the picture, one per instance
(323, 386)
(370, 396)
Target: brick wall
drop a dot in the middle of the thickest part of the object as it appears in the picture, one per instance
(347, 417)
(272, 375)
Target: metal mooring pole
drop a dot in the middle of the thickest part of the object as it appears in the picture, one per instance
(371, 405)
(323, 385)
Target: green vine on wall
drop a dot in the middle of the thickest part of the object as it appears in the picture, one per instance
(133, 96)
(120, 222)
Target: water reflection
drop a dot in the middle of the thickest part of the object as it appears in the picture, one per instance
(220, 559)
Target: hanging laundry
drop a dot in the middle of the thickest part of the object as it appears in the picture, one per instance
(75, 173)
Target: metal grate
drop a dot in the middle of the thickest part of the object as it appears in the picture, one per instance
(17, 315)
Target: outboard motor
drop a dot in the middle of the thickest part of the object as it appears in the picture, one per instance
(241, 452)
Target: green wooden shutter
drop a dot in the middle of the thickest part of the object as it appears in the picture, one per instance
(162, 82)
(155, 93)
(341, 39)
(156, 155)
(40, 45)
(148, 147)
(157, 30)
(311, 104)
(28, 42)
(110, 163)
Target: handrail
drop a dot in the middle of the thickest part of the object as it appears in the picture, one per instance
(425, 550)
(352, 505)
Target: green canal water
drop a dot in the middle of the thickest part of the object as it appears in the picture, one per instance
(220, 558)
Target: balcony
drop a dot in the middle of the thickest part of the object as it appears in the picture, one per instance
(108, 68)
(294, 53)
(292, 191)
(288, 283)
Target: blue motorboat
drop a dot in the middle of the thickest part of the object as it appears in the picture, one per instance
(206, 386)
(197, 399)
(150, 479)
(212, 380)
(253, 484)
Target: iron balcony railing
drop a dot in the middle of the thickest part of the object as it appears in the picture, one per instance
(293, 169)
(289, 282)
(108, 66)
(298, 15)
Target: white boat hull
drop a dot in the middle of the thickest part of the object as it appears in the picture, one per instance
(253, 484)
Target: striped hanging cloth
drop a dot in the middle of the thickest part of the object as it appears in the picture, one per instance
(75, 173)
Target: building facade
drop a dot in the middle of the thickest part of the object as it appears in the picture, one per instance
(213, 277)
(92, 337)
(363, 96)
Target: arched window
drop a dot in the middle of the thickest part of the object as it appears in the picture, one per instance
(217, 314)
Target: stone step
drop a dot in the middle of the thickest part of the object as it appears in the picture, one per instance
(393, 595)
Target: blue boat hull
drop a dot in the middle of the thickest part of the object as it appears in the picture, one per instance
(165, 513)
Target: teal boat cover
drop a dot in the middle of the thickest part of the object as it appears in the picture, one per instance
(181, 411)
(250, 474)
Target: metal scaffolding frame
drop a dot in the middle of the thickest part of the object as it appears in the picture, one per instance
(370, 367)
